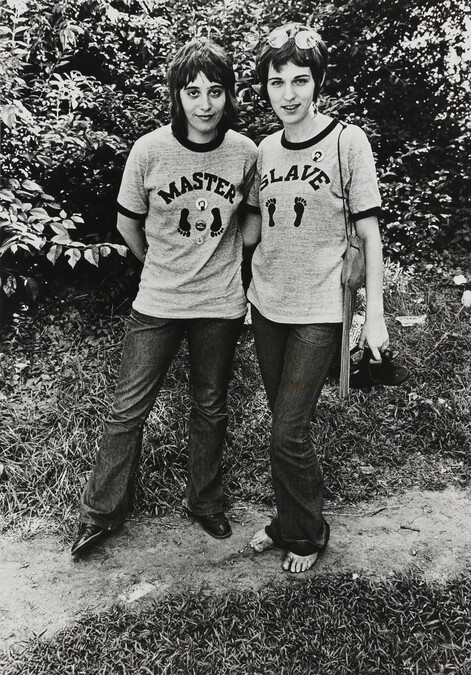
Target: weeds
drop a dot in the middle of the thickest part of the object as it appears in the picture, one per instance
(59, 370)
(336, 625)
(60, 367)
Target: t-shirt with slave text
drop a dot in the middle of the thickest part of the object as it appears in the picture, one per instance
(187, 195)
(297, 265)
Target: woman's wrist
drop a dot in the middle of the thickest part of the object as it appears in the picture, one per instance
(374, 314)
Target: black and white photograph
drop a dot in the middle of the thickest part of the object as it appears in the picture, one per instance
(235, 337)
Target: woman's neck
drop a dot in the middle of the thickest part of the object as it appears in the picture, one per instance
(200, 138)
(307, 128)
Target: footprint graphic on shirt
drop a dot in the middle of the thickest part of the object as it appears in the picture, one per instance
(299, 206)
(184, 226)
(216, 225)
(271, 206)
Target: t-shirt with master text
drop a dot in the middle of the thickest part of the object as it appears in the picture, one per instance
(188, 195)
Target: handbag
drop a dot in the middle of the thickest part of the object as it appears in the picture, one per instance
(353, 278)
(365, 372)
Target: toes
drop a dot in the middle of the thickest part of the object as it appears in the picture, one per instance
(297, 563)
(297, 566)
(261, 542)
(287, 563)
(258, 538)
(311, 561)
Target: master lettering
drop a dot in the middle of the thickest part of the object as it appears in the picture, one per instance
(199, 181)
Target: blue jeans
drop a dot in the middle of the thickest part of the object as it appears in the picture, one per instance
(295, 360)
(149, 347)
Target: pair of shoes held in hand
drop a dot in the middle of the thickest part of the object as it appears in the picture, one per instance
(367, 372)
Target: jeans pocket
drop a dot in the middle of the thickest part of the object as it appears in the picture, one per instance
(145, 320)
(320, 334)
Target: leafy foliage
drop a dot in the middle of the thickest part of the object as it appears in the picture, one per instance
(80, 80)
(35, 225)
(44, 133)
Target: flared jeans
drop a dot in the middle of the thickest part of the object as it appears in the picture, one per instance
(149, 347)
(295, 360)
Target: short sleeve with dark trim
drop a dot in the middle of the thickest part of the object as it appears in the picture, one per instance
(364, 198)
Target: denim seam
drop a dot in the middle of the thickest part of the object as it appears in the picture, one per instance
(316, 343)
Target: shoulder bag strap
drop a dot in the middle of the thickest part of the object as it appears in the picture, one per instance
(348, 298)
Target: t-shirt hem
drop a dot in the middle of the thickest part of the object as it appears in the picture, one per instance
(165, 313)
(307, 319)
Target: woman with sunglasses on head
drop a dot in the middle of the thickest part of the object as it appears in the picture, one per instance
(181, 206)
(296, 289)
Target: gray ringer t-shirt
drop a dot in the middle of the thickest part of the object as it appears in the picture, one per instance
(187, 195)
(297, 265)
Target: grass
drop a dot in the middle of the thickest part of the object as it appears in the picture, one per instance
(337, 625)
(60, 367)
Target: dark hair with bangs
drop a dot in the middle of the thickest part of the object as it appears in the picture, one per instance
(201, 55)
(315, 58)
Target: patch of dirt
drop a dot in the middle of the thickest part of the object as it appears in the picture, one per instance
(42, 588)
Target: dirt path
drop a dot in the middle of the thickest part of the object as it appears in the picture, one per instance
(42, 588)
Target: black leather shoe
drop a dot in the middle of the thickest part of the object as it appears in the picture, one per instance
(216, 524)
(87, 536)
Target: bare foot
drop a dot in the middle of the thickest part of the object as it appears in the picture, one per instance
(261, 542)
(299, 563)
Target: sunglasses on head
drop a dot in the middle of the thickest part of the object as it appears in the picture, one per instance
(304, 38)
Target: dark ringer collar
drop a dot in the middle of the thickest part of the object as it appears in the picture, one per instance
(201, 147)
(310, 141)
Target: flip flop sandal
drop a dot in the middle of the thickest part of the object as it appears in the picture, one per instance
(367, 372)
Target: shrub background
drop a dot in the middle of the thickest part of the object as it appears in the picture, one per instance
(80, 80)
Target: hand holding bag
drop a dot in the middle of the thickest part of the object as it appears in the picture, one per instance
(366, 372)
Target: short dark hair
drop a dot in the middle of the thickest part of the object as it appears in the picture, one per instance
(315, 58)
(201, 55)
